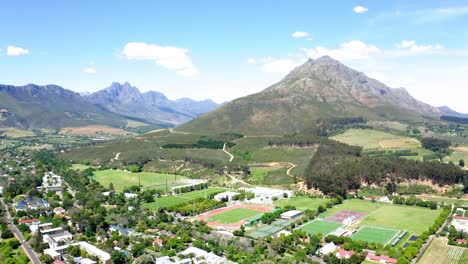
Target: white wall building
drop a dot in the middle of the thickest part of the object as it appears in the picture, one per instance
(266, 195)
(291, 215)
(229, 195)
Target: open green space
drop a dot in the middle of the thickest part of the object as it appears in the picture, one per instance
(234, 216)
(122, 179)
(15, 133)
(257, 150)
(414, 219)
(353, 205)
(320, 227)
(168, 201)
(373, 234)
(77, 166)
(302, 202)
(270, 176)
(374, 139)
(439, 252)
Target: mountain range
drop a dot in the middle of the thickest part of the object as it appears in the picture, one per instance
(152, 107)
(318, 89)
(34, 107)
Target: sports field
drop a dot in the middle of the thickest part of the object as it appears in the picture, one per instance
(374, 139)
(439, 252)
(233, 216)
(373, 234)
(302, 202)
(168, 201)
(121, 179)
(356, 205)
(320, 226)
(414, 219)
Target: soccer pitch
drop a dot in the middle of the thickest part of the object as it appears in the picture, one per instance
(374, 234)
(234, 216)
(320, 226)
(121, 179)
(168, 201)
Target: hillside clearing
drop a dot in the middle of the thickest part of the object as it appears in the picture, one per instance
(374, 139)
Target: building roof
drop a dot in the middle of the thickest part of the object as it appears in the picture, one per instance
(328, 248)
(291, 213)
(381, 258)
(51, 252)
(458, 217)
(344, 253)
(28, 221)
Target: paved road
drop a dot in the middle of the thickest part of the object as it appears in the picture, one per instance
(27, 249)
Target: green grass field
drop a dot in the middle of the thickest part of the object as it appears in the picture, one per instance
(121, 179)
(374, 234)
(374, 139)
(234, 216)
(80, 167)
(320, 226)
(168, 201)
(302, 203)
(439, 252)
(353, 205)
(414, 219)
(15, 133)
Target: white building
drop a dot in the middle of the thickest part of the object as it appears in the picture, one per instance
(102, 255)
(130, 195)
(327, 249)
(266, 195)
(51, 182)
(201, 256)
(460, 223)
(51, 252)
(229, 195)
(291, 215)
(54, 239)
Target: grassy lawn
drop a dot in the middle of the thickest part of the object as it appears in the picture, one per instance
(374, 234)
(259, 152)
(457, 156)
(320, 226)
(439, 252)
(121, 179)
(302, 203)
(374, 139)
(411, 218)
(80, 167)
(234, 216)
(15, 133)
(168, 201)
(353, 205)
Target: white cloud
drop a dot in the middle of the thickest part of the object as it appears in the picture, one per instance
(352, 50)
(251, 61)
(300, 34)
(16, 51)
(169, 57)
(89, 70)
(188, 72)
(309, 39)
(360, 9)
(411, 46)
(282, 66)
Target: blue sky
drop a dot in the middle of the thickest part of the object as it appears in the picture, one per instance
(227, 49)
